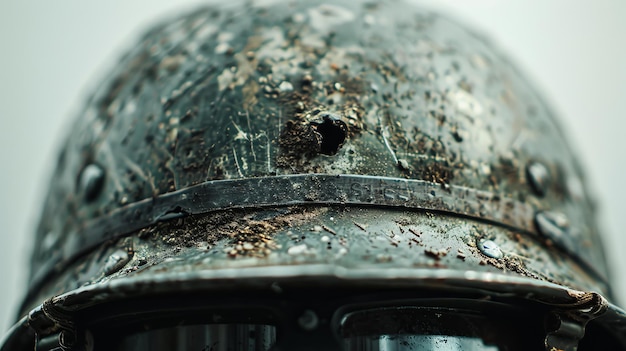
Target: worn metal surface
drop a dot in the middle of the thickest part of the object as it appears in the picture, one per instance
(347, 237)
(252, 91)
(289, 105)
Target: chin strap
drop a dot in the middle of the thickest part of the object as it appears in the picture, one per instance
(566, 324)
(55, 325)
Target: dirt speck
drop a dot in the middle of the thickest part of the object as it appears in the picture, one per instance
(460, 254)
(437, 254)
(360, 226)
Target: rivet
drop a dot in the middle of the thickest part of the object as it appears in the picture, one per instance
(91, 182)
(539, 177)
(551, 224)
(555, 226)
(490, 249)
(116, 261)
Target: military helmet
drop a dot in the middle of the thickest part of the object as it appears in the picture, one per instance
(304, 175)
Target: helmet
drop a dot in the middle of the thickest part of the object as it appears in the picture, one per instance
(301, 175)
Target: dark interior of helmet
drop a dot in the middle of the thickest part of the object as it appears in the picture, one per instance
(315, 322)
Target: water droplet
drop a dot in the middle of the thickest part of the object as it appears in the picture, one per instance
(490, 249)
(91, 182)
(308, 320)
(539, 177)
(116, 261)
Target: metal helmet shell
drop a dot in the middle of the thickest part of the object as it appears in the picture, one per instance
(359, 143)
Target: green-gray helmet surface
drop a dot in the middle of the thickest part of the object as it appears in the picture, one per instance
(271, 147)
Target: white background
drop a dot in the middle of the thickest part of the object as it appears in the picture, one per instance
(52, 52)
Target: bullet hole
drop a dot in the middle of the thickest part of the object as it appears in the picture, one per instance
(333, 133)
